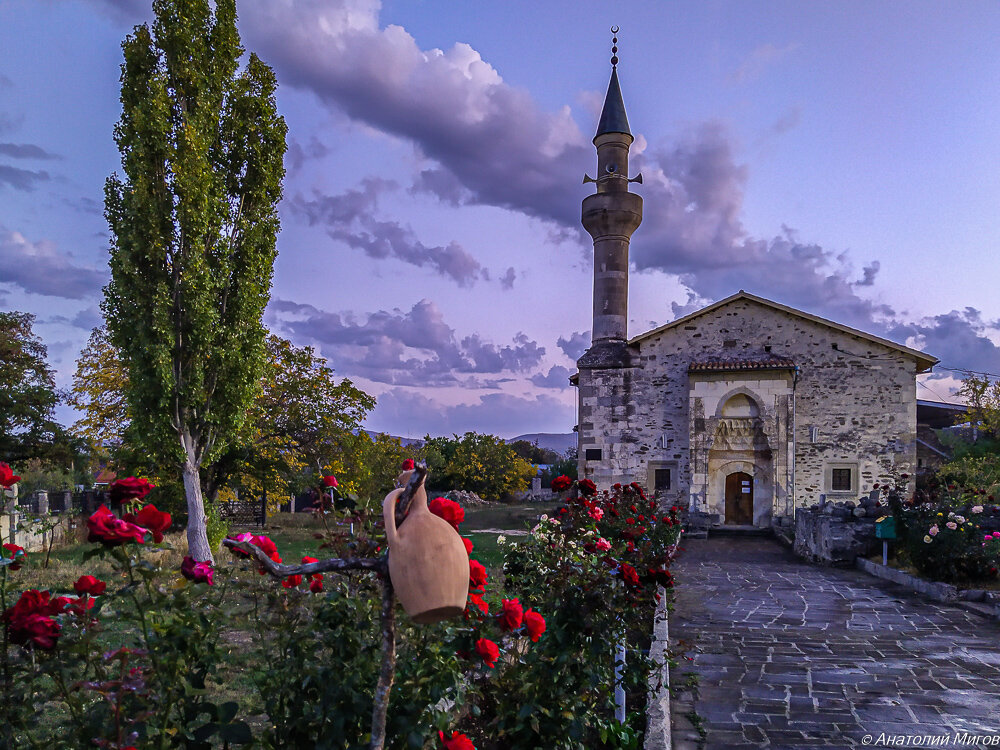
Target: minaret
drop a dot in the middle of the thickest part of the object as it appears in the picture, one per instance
(607, 368)
(610, 216)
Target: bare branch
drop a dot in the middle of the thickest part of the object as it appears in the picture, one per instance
(387, 672)
(416, 479)
(278, 570)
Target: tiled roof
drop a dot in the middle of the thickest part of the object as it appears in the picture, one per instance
(759, 363)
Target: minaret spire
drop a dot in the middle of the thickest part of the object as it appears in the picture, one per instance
(611, 216)
(613, 117)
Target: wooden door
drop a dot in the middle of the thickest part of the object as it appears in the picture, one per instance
(739, 499)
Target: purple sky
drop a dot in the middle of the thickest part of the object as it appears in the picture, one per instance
(840, 158)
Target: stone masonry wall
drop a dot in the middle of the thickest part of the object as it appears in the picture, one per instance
(858, 397)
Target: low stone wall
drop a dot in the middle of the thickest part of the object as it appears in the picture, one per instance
(35, 541)
(833, 539)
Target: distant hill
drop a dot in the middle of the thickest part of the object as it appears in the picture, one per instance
(402, 440)
(560, 442)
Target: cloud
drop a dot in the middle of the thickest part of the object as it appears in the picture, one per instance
(21, 179)
(443, 185)
(489, 138)
(26, 151)
(460, 114)
(760, 59)
(89, 318)
(502, 414)
(39, 268)
(574, 346)
(556, 377)
(351, 205)
(958, 338)
(297, 154)
(415, 347)
(507, 280)
(390, 239)
(349, 218)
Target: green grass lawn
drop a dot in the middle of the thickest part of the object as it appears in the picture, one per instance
(505, 516)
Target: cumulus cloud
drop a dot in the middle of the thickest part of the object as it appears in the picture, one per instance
(507, 280)
(22, 179)
(451, 103)
(499, 413)
(958, 338)
(575, 345)
(38, 267)
(458, 112)
(416, 347)
(556, 377)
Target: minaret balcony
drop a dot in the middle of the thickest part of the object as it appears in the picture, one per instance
(610, 214)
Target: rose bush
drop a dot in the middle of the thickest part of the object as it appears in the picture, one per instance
(141, 658)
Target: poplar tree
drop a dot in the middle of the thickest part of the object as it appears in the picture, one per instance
(193, 222)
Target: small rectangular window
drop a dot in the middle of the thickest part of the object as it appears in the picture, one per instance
(661, 480)
(840, 480)
(592, 454)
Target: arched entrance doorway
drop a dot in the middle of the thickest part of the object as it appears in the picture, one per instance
(739, 499)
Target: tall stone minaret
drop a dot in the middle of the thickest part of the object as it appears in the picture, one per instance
(606, 369)
(611, 215)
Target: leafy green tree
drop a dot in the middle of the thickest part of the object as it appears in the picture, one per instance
(533, 453)
(98, 393)
(303, 417)
(193, 224)
(28, 395)
(484, 464)
(370, 465)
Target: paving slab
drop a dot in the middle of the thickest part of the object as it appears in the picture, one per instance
(790, 655)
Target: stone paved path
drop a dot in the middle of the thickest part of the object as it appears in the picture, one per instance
(789, 655)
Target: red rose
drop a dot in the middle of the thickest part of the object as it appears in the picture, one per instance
(316, 585)
(511, 615)
(630, 575)
(16, 554)
(111, 531)
(630, 521)
(130, 488)
(7, 477)
(80, 606)
(37, 602)
(268, 546)
(330, 481)
(662, 576)
(560, 483)
(291, 581)
(468, 545)
(449, 510)
(534, 623)
(478, 601)
(199, 572)
(489, 651)
(407, 465)
(39, 630)
(477, 575)
(150, 518)
(89, 585)
(587, 487)
(457, 741)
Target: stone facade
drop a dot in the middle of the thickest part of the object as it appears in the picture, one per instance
(789, 405)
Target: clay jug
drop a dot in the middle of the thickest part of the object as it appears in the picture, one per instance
(428, 564)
